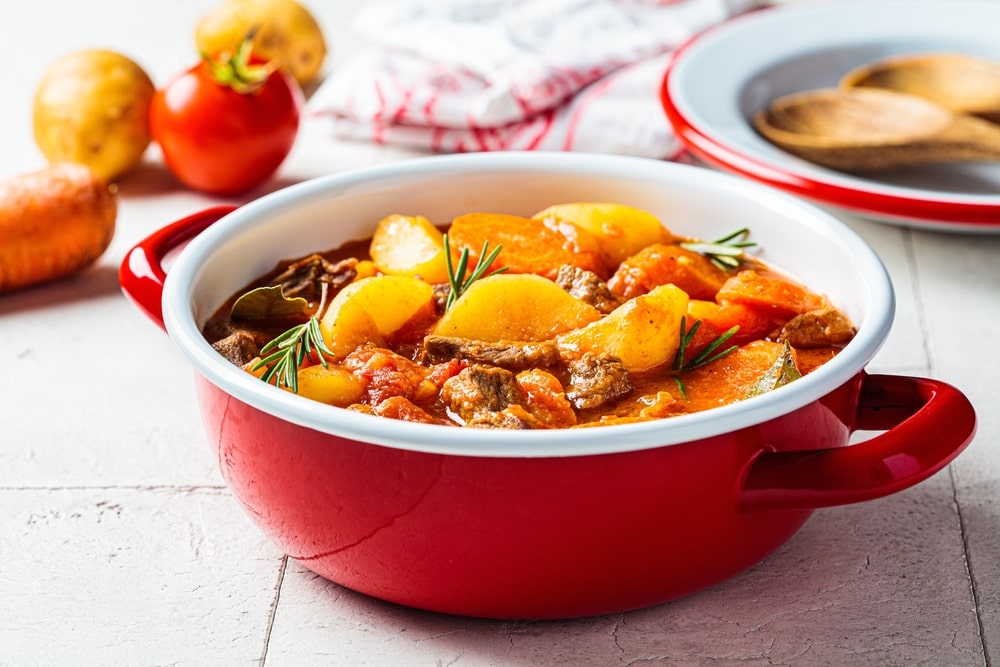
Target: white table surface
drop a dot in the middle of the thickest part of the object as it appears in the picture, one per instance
(120, 544)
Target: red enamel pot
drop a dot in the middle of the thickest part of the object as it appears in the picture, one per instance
(545, 524)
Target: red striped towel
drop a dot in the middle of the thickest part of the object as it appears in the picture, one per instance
(481, 75)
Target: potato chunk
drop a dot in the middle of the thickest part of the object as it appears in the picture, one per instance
(514, 307)
(329, 384)
(370, 309)
(409, 246)
(622, 230)
(642, 333)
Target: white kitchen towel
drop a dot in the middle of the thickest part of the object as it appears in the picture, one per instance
(481, 75)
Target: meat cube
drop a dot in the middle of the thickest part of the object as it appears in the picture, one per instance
(596, 379)
(478, 390)
(239, 347)
(513, 417)
(818, 328)
(509, 354)
(304, 277)
(398, 407)
(587, 287)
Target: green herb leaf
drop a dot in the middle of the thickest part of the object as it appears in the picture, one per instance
(725, 252)
(456, 275)
(264, 302)
(284, 355)
(782, 372)
(706, 356)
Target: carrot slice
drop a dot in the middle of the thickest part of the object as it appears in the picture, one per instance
(782, 298)
(663, 264)
(529, 246)
(754, 323)
(731, 377)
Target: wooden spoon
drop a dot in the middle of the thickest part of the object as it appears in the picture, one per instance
(963, 83)
(867, 129)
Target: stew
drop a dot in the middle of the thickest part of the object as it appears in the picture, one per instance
(584, 314)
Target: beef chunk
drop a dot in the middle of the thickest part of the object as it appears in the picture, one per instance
(239, 347)
(509, 354)
(595, 380)
(398, 407)
(513, 417)
(479, 390)
(818, 328)
(305, 277)
(441, 293)
(587, 287)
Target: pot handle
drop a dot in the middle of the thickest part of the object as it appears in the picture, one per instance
(141, 273)
(927, 423)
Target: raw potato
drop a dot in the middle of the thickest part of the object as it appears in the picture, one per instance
(642, 333)
(514, 307)
(623, 230)
(409, 246)
(372, 308)
(92, 107)
(286, 33)
(53, 222)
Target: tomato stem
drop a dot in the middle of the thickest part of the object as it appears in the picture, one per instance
(236, 71)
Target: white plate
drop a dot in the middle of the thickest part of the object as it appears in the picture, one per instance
(721, 78)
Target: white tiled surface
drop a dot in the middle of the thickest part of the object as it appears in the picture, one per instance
(120, 545)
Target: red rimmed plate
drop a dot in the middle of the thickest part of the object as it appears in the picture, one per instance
(717, 81)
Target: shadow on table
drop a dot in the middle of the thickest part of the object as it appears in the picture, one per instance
(153, 179)
(95, 282)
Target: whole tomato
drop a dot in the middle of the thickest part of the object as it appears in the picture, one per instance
(226, 125)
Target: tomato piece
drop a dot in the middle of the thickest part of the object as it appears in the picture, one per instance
(224, 137)
(386, 374)
(545, 398)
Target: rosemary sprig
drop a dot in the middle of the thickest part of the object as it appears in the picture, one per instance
(725, 252)
(706, 356)
(283, 355)
(456, 275)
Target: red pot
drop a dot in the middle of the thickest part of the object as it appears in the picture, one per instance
(557, 523)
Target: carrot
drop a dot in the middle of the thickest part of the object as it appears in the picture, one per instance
(753, 323)
(528, 245)
(662, 264)
(729, 378)
(53, 222)
(782, 298)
